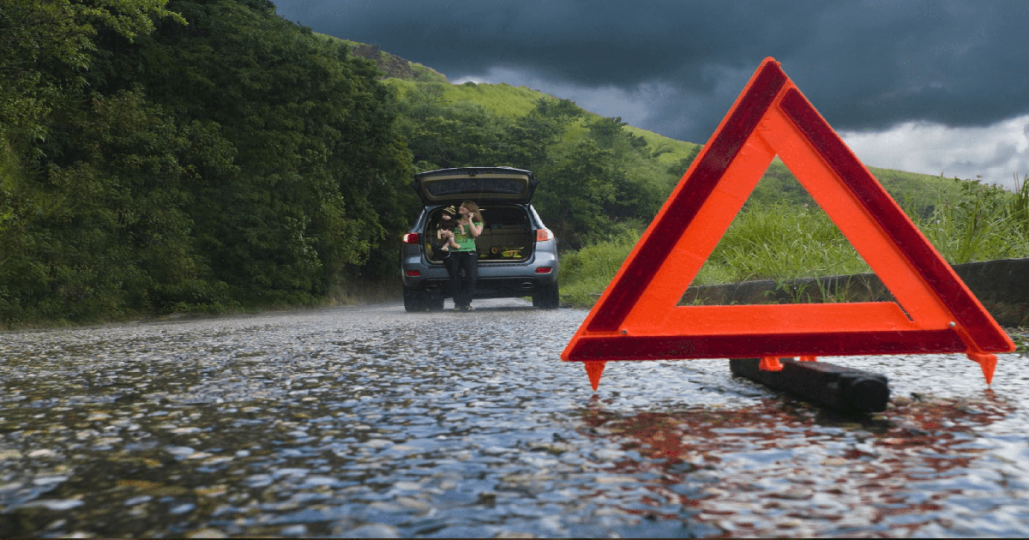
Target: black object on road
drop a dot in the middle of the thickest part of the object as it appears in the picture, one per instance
(844, 389)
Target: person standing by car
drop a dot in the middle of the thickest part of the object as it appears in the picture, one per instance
(465, 257)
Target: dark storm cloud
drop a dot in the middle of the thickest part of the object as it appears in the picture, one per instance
(866, 65)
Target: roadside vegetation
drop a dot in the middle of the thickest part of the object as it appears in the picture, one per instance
(972, 222)
(208, 156)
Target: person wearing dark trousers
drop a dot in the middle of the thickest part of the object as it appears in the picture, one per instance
(464, 258)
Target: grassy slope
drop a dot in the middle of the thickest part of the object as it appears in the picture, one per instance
(501, 99)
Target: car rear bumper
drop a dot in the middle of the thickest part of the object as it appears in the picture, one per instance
(494, 279)
(489, 288)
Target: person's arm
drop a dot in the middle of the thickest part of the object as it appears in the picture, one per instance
(449, 236)
(476, 231)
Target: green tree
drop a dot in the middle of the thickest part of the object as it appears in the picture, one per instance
(443, 135)
(110, 235)
(316, 158)
(529, 141)
(578, 189)
(46, 46)
(59, 257)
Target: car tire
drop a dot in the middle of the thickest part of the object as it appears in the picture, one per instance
(546, 297)
(414, 300)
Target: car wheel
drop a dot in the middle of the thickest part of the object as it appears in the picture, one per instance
(546, 297)
(414, 300)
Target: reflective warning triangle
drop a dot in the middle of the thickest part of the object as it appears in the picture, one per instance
(636, 318)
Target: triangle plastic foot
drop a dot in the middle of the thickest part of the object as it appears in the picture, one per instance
(594, 370)
(986, 361)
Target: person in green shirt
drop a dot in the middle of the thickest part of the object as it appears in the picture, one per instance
(464, 257)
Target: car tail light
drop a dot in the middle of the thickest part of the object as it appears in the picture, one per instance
(542, 235)
(412, 238)
(412, 273)
(543, 270)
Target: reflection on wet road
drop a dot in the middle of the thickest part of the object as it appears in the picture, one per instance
(374, 422)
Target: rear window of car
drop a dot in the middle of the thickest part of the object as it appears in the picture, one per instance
(471, 186)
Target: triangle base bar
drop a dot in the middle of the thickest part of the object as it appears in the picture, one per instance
(619, 347)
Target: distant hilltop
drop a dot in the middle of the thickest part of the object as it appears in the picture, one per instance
(393, 66)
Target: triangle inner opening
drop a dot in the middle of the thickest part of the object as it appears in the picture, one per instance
(782, 248)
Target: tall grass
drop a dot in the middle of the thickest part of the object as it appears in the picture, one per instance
(585, 273)
(1019, 205)
(988, 223)
(782, 242)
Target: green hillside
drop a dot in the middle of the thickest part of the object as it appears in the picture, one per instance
(500, 99)
(512, 102)
(918, 190)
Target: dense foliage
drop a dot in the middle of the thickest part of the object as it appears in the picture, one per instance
(183, 156)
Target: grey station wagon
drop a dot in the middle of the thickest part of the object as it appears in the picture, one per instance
(517, 253)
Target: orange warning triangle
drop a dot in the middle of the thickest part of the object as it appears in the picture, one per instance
(637, 317)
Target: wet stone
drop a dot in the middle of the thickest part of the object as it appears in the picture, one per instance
(367, 422)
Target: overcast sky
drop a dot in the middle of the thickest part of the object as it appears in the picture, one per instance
(928, 86)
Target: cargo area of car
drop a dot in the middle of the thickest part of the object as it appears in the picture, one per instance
(507, 236)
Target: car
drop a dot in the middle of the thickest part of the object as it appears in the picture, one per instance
(517, 252)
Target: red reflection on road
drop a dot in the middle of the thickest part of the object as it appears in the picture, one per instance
(786, 468)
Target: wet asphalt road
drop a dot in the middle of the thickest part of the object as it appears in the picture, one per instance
(370, 421)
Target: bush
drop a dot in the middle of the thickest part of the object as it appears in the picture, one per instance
(586, 273)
